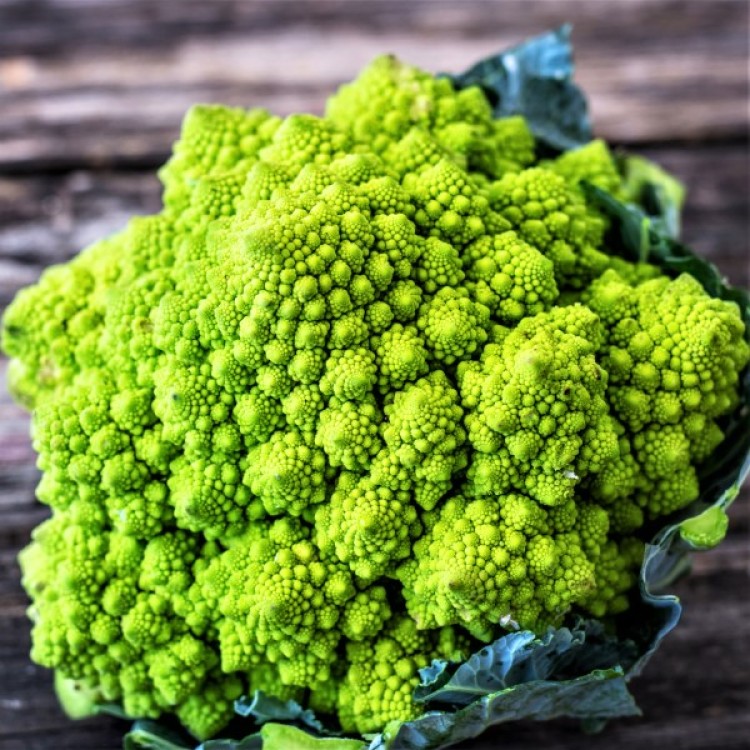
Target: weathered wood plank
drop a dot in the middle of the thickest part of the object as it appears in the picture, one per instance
(47, 27)
(95, 78)
(47, 219)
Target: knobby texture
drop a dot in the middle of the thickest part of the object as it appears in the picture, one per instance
(49, 218)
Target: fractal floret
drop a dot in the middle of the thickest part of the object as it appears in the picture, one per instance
(369, 391)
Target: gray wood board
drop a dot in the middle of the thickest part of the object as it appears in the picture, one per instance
(126, 72)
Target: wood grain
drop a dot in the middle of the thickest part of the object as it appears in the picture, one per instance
(659, 71)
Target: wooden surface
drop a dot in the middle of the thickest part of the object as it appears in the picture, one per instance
(91, 94)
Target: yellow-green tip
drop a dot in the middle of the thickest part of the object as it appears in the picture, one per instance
(77, 700)
(707, 529)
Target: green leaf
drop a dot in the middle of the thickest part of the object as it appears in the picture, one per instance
(287, 737)
(522, 657)
(482, 673)
(433, 678)
(600, 695)
(514, 659)
(535, 79)
(264, 708)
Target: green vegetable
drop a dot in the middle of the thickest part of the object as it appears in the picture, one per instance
(367, 433)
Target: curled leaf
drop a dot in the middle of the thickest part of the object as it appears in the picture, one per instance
(265, 708)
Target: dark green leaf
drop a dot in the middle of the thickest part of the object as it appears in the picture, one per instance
(433, 677)
(534, 79)
(482, 673)
(601, 694)
(521, 657)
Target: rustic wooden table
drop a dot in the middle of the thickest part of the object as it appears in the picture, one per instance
(91, 95)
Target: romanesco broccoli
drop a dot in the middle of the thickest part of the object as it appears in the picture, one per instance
(368, 390)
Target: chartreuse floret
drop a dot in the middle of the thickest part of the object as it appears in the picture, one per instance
(287, 473)
(49, 324)
(290, 614)
(489, 559)
(424, 440)
(348, 433)
(365, 615)
(538, 402)
(449, 206)
(439, 265)
(552, 216)
(617, 567)
(384, 671)
(393, 108)
(129, 644)
(673, 355)
(401, 355)
(509, 276)
(367, 526)
(453, 325)
(214, 140)
(592, 163)
(368, 384)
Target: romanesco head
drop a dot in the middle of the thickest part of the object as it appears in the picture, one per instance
(367, 390)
